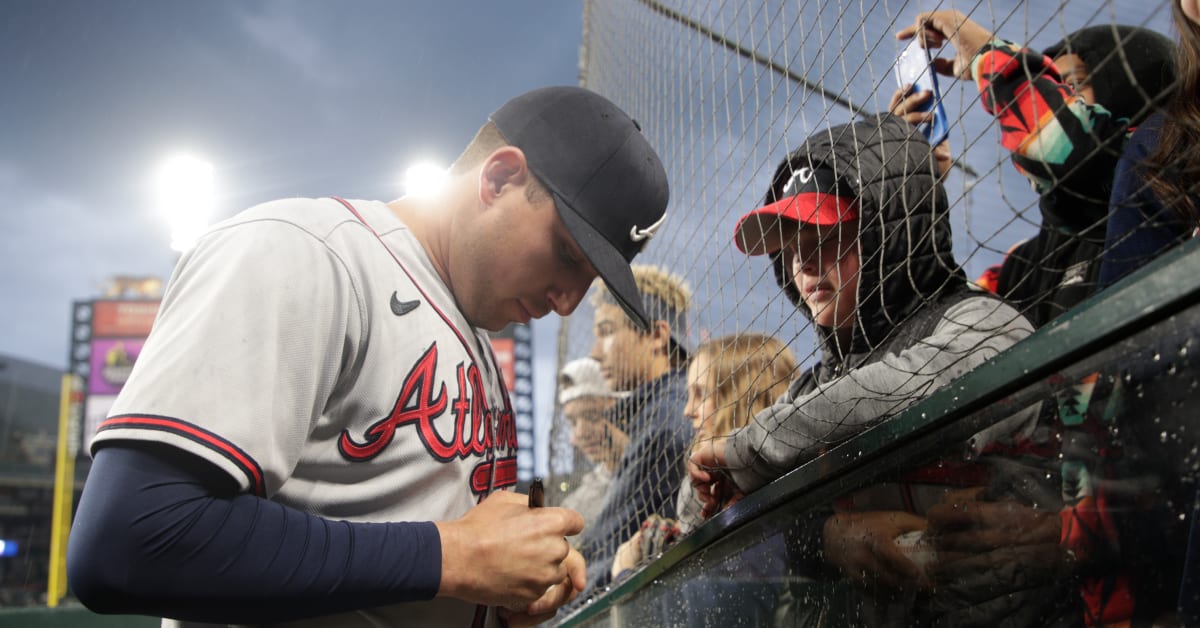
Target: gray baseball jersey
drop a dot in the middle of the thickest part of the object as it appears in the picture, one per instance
(329, 369)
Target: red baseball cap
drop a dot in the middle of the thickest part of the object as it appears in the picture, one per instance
(810, 197)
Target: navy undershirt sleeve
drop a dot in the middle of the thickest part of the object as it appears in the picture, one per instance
(161, 532)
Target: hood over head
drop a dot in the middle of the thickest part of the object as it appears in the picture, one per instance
(904, 239)
(1129, 67)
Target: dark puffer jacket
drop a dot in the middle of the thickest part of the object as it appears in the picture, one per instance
(918, 326)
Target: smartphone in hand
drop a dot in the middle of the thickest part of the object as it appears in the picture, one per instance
(914, 67)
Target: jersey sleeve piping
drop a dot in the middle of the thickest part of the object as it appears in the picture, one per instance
(196, 434)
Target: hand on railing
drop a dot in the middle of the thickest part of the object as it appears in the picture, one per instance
(714, 486)
(646, 544)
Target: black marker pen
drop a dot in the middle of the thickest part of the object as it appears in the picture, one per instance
(537, 494)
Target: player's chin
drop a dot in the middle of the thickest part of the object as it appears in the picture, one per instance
(500, 317)
(490, 325)
(520, 314)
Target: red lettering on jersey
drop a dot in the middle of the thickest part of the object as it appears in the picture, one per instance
(420, 410)
(506, 427)
(418, 405)
(506, 475)
(481, 415)
(462, 405)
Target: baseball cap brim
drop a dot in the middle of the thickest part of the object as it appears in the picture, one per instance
(760, 231)
(609, 263)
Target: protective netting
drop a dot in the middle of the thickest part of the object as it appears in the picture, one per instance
(727, 90)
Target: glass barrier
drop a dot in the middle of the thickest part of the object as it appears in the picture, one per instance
(928, 520)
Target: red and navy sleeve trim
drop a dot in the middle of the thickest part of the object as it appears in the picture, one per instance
(196, 434)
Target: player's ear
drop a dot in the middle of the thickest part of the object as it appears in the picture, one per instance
(506, 166)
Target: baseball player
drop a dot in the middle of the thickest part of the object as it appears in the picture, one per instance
(316, 432)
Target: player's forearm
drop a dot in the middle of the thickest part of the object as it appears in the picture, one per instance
(151, 538)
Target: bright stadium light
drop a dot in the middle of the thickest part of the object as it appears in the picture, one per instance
(185, 197)
(424, 179)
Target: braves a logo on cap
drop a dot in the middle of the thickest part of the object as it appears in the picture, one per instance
(640, 235)
(798, 178)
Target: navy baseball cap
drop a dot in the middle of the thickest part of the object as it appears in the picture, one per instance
(608, 184)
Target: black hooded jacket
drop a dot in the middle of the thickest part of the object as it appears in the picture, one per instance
(904, 238)
(1130, 70)
(918, 323)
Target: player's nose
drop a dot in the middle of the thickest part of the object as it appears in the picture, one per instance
(563, 301)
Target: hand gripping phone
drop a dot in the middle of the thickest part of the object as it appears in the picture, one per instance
(913, 67)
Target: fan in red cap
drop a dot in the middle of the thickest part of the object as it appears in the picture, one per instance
(810, 197)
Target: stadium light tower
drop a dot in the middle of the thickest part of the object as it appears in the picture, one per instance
(185, 198)
(424, 179)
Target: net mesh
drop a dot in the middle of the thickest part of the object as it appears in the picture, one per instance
(724, 91)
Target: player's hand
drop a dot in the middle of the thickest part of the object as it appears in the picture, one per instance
(863, 546)
(545, 607)
(714, 487)
(937, 28)
(504, 553)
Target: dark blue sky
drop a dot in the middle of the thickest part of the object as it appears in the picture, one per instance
(284, 98)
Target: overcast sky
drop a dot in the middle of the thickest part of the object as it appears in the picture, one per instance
(284, 98)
